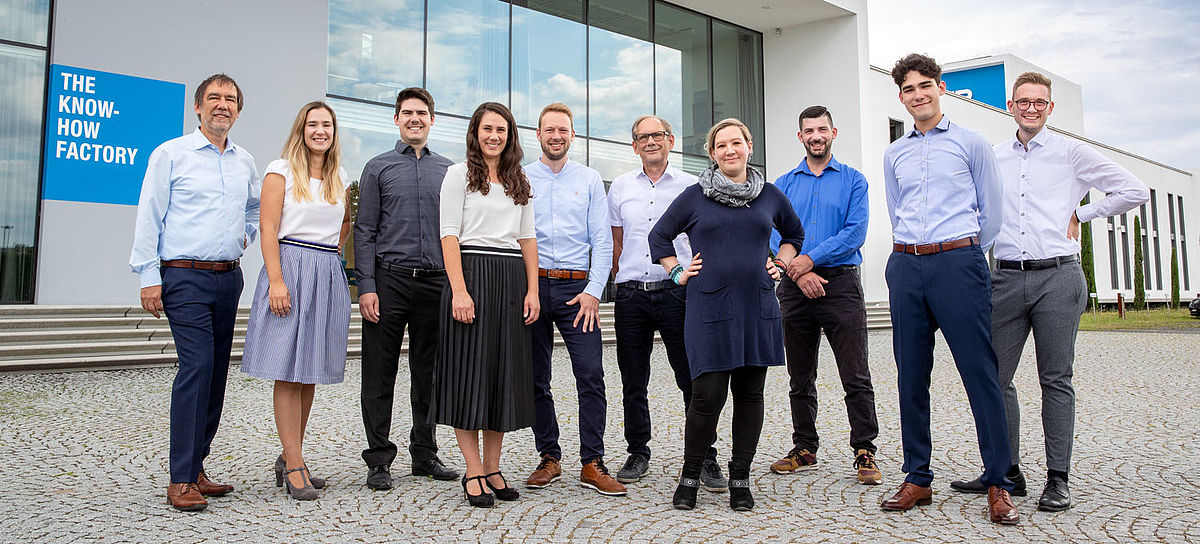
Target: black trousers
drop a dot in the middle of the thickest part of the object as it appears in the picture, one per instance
(403, 301)
(638, 314)
(842, 316)
(709, 392)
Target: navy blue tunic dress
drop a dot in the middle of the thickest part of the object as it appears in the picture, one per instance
(732, 317)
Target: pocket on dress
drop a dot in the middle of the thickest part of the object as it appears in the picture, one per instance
(768, 303)
(714, 303)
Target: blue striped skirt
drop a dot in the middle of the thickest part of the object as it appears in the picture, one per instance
(309, 344)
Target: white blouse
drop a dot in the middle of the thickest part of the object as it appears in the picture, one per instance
(313, 221)
(491, 220)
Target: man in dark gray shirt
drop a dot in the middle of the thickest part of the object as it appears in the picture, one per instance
(398, 261)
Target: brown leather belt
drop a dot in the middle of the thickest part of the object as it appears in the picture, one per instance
(556, 274)
(218, 266)
(926, 249)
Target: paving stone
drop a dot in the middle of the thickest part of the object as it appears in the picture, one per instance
(83, 458)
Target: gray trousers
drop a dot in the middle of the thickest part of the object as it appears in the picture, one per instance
(1049, 302)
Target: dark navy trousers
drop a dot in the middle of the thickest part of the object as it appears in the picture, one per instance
(586, 354)
(201, 306)
(951, 291)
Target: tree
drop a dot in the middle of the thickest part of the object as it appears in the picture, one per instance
(1139, 277)
(1085, 254)
(1174, 277)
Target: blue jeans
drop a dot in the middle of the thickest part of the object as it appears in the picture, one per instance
(585, 349)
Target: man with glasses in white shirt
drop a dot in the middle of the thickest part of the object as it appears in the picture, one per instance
(1038, 282)
(647, 300)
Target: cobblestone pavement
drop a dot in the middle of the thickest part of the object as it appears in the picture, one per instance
(83, 458)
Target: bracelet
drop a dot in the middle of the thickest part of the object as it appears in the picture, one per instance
(779, 264)
(676, 273)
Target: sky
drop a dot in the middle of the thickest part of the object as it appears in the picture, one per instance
(1138, 62)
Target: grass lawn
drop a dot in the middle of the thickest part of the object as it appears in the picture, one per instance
(1155, 319)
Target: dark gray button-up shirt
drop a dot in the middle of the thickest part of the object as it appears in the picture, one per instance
(398, 197)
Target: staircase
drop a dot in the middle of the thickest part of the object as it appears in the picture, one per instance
(65, 338)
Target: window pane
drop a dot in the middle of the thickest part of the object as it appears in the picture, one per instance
(737, 81)
(548, 65)
(690, 163)
(628, 17)
(621, 83)
(566, 9)
(681, 66)
(373, 53)
(612, 160)
(21, 107)
(467, 68)
(24, 20)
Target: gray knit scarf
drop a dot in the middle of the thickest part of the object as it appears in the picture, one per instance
(716, 186)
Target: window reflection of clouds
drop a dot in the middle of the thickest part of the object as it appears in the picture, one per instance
(21, 108)
(548, 65)
(375, 47)
(682, 67)
(24, 20)
(621, 86)
(468, 54)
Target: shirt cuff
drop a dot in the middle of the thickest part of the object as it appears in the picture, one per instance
(594, 288)
(151, 276)
(1086, 213)
(818, 257)
(366, 285)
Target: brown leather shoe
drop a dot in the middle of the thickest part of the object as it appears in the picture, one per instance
(185, 497)
(547, 472)
(595, 475)
(1001, 508)
(908, 496)
(209, 488)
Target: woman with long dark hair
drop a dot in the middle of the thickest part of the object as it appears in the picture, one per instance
(300, 317)
(732, 324)
(484, 376)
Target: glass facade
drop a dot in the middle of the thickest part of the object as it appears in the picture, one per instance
(24, 31)
(609, 60)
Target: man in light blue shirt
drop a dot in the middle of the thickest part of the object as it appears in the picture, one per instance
(197, 212)
(574, 258)
(943, 197)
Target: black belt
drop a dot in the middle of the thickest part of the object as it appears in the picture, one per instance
(1036, 264)
(413, 272)
(649, 286)
(831, 271)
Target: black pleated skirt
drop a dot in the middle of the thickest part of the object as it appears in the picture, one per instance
(484, 374)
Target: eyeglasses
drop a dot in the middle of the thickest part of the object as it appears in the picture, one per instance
(656, 136)
(1039, 105)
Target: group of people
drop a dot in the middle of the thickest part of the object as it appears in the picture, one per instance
(483, 259)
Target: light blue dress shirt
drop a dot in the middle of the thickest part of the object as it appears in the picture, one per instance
(942, 185)
(570, 212)
(833, 208)
(197, 203)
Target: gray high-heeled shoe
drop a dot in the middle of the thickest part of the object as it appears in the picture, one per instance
(306, 493)
(281, 465)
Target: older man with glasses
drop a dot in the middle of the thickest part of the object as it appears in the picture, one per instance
(648, 301)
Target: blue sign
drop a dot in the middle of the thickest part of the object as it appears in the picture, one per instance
(100, 130)
(985, 84)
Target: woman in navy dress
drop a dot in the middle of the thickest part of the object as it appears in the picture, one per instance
(732, 323)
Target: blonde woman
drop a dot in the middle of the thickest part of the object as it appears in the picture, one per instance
(300, 317)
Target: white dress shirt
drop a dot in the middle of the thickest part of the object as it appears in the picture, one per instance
(635, 204)
(1043, 186)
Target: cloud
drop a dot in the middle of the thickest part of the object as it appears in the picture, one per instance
(1138, 63)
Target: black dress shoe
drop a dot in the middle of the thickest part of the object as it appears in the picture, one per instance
(434, 468)
(1056, 497)
(379, 478)
(977, 486)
